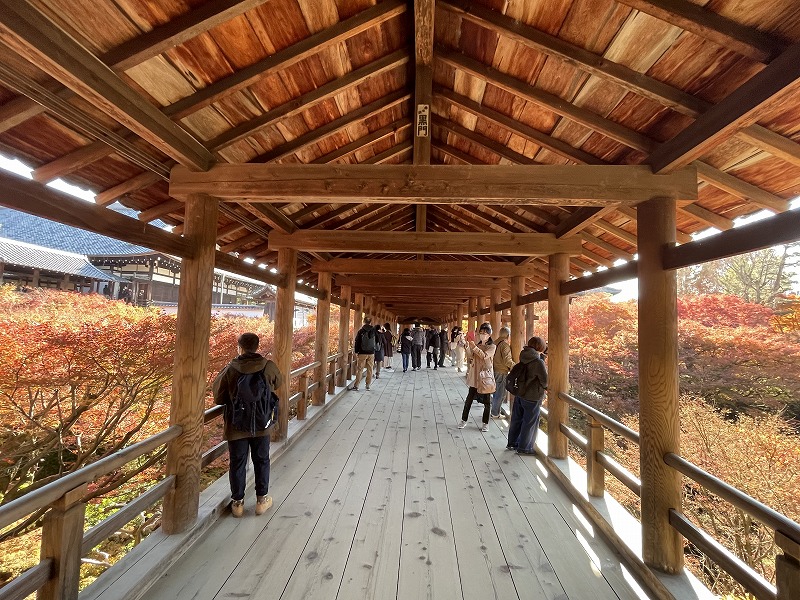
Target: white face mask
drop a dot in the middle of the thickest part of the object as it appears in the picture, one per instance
(483, 336)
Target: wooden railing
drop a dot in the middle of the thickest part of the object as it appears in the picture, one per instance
(64, 541)
(787, 532)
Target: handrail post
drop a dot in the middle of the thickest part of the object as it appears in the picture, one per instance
(349, 364)
(558, 355)
(322, 341)
(332, 378)
(787, 568)
(62, 539)
(302, 403)
(595, 473)
(344, 334)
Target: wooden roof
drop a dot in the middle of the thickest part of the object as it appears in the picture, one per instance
(664, 83)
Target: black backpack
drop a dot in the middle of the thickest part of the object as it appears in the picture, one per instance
(254, 407)
(367, 340)
(516, 377)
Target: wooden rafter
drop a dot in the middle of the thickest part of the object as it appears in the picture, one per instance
(430, 268)
(420, 281)
(496, 184)
(525, 244)
(48, 47)
(134, 184)
(494, 146)
(395, 129)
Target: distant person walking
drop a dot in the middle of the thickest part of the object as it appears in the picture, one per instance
(443, 344)
(432, 339)
(389, 348)
(418, 337)
(458, 347)
(406, 342)
(380, 349)
(364, 348)
(529, 379)
(502, 363)
(246, 388)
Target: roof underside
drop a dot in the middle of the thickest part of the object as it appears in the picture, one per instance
(334, 81)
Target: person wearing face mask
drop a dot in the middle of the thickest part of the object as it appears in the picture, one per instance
(480, 377)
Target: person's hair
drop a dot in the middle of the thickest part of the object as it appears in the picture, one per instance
(406, 330)
(367, 320)
(504, 332)
(537, 344)
(416, 324)
(485, 328)
(387, 325)
(248, 342)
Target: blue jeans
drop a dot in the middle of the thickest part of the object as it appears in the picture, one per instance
(499, 392)
(405, 361)
(258, 448)
(524, 424)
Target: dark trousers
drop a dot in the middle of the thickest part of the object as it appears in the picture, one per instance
(406, 356)
(484, 399)
(442, 352)
(433, 356)
(259, 450)
(524, 424)
(416, 356)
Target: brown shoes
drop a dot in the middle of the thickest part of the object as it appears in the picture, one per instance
(237, 508)
(263, 503)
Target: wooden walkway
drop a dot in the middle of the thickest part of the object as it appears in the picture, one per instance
(385, 498)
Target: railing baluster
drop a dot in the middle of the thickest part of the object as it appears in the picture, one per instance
(787, 567)
(62, 540)
(595, 472)
(332, 376)
(302, 403)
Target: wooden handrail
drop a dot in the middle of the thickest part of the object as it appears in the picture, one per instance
(625, 477)
(44, 496)
(730, 563)
(768, 516)
(300, 370)
(575, 437)
(213, 413)
(603, 418)
(29, 582)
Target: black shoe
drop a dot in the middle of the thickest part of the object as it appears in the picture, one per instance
(525, 451)
(435, 368)
(354, 389)
(511, 447)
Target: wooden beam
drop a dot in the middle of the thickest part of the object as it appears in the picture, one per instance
(160, 210)
(283, 59)
(739, 188)
(134, 184)
(305, 101)
(424, 11)
(600, 279)
(283, 335)
(493, 146)
(493, 184)
(581, 218)
(333, 127)
(226, 262)
(773, 231)
(275, 217)
(432, 268)
(36, 199)
(558, 105)
(388, 154)
(49, 48)
(379, 134)
(706, 216)
(71, 162)
(417, 281)
(738, 110)
(709, 25)
(462, 157)
(610, 248)
(525, 244)
(239, 243)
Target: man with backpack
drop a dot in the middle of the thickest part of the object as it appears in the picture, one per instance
(246, 388)
(365, 352)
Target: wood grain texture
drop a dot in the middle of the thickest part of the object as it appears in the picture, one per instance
(191, 359)
(557, 354)
(284, 327)
(659, 421)
(431, 268)
(322, 342)
(345, 294)
(518, 339)
(62, 534)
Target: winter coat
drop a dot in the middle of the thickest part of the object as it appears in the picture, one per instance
(380, 346)
(443, 343)
(389, 347)
(418, 335)
(224, 386)
(503, 360)
(405, 342)
(432, 339)
(533, 384)
(482, 356)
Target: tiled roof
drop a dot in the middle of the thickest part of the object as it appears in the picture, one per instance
(16, 225)
(20, 254)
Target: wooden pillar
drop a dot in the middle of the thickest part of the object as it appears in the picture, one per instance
(284, 328)
(2, 271)
(344, 334)
(530, 321)
(472, 320)
(322, 345)
(557, 355)
(659, 425)
(150, 283)
(37, 273)
(64, 284)
(481, 305)
(495, 315)
(517, 317)
(191, 362)
(62, 534)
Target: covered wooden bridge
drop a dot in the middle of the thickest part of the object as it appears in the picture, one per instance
(440, 159)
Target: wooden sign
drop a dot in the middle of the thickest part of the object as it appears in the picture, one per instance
(423, 120)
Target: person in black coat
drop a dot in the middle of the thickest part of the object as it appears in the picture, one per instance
(532, 387)
(380, 349)
(443, 345)
(406, 341)
(432, 342)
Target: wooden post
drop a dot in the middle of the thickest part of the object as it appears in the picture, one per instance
(62, 538)
(595, 473)
(344, 334)
(494, 314)
(558, 355)
(284, 328)
(302, 403)
(191, 361)
(323, 342)
(481, 318)
(659, 425)
(517, 317)
(358, 313)
(332, 379)
(787, 568)
(472, 308)
(530, 322)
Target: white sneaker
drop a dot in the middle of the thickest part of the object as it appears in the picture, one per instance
(462, 424)
(485, 427)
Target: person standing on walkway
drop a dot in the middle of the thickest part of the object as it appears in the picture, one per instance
(406, 342)
(529, 378)
(364, 348)
(443, 345)
(480, 377)
(432, 339)
(458, 347)
(246, 388)
(380, 349)
(502, 363)
(418, 336)
(389, 347)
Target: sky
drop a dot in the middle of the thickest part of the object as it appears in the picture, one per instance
(628, 289)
